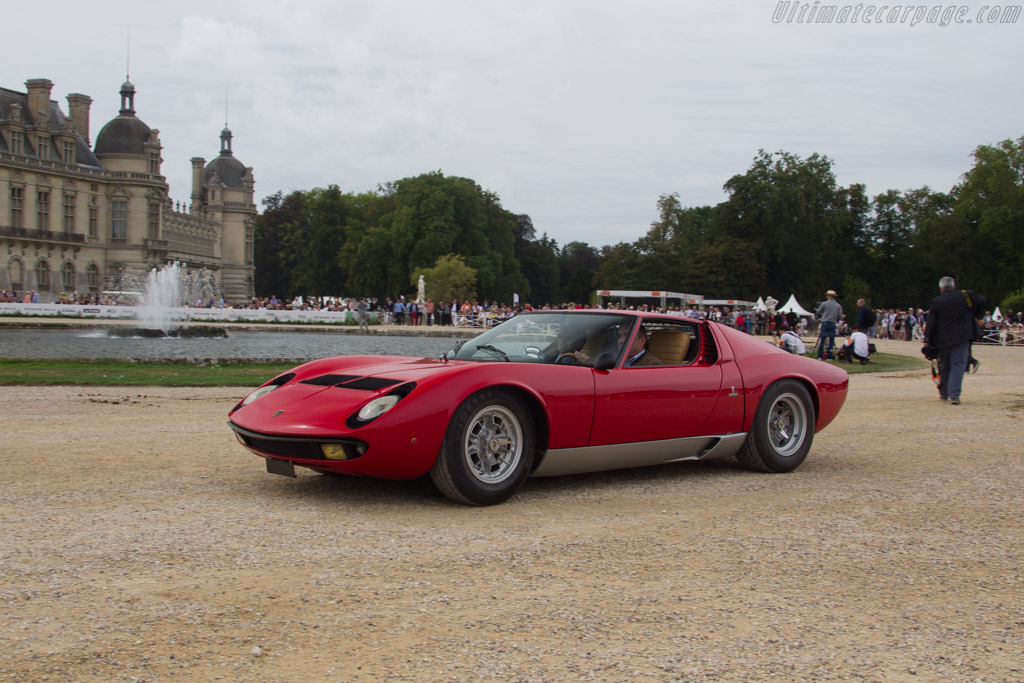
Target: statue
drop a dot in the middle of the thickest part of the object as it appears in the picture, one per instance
(421, 291)
(771, 302)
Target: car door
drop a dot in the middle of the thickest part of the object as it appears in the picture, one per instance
(656, 402)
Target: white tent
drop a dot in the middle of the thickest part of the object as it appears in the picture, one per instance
(760, 306)
(997, 315)
(794, 305)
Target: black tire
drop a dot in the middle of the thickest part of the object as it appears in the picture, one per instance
(488, 450)
(782, 431)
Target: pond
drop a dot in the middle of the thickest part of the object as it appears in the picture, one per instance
(257, 344)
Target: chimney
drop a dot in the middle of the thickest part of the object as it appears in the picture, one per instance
(78, 110)
(39, 99)
(197, 181)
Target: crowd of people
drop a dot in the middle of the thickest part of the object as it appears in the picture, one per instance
(885, 323)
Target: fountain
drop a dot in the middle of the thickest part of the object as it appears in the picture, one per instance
(162, 295)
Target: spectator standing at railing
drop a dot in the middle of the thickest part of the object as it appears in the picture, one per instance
(363, 314)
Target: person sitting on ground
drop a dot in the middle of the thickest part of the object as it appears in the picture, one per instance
(856, 346)
(790, 341)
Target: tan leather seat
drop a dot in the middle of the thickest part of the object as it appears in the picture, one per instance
(595, 344)
(670, 346)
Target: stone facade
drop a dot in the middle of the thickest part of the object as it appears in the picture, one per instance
(74, 215)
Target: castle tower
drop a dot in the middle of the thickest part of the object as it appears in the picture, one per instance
(226, 192)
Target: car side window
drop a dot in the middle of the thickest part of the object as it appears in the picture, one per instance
(673, 344)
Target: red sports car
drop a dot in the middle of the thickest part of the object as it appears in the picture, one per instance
(544, 394)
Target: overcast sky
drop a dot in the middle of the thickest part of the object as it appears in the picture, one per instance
(579, 114)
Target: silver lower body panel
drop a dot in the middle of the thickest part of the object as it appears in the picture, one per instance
(559, 461)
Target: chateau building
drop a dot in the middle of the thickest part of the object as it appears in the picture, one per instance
(73, 215)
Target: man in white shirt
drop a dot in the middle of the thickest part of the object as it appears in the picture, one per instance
(791, 341)
(856, 346)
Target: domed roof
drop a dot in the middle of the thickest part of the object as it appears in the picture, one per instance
(225, 170)
(123, 135)
(126, 134)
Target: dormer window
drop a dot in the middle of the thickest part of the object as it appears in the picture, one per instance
(17, 142)
(43, 147)
(68, 153)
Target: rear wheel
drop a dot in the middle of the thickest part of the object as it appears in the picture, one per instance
(782, 431)
(487, 451)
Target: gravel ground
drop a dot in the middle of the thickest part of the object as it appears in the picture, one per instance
(140, 542)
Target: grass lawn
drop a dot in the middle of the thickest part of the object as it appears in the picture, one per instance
(125, 373)
(883, 362)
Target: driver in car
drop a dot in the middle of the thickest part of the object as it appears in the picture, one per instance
(567, 348)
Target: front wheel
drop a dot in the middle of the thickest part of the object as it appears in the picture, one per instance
(488, 450)
(782, 431)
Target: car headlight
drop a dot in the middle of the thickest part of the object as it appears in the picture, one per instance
(377, 407)
(264, 390)
(259, 393)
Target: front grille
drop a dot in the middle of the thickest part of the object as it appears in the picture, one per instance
(307, 450)
(297, 448)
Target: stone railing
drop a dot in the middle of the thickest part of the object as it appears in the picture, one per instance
(48, 235)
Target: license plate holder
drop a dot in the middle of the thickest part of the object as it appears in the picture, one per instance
(282, 467)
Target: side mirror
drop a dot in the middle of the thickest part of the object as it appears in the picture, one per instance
(605, 361)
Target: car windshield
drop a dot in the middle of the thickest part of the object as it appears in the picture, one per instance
(554, 338)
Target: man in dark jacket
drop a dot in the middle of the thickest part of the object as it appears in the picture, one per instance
(951, 329)
(866, 318)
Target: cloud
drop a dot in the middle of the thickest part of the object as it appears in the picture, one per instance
(577, 114)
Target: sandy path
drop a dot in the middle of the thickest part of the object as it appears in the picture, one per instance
(140, 542)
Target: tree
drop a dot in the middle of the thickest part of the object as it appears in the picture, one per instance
(783, 208)
(276, 234)
(579, 264)
(622, 267)
(539, 261)
(991, 200)
(450, 278)
(668, 249)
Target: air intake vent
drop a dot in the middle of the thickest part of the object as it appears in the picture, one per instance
(370, 384)
(328, 380)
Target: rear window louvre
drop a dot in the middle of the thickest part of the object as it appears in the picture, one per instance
(708, 350)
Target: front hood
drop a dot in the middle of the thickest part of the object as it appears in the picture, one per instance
(324, 393)
(355, 372)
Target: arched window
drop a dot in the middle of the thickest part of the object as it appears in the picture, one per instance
(67, 276)
(92, 273)
(43, 275)
(17, 270)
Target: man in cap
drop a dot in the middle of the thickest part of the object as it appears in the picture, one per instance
(829, 312)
